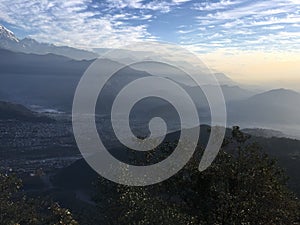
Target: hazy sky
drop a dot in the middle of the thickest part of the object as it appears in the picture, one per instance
(251, 40)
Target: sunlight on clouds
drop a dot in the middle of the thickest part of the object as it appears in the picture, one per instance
(257, 67)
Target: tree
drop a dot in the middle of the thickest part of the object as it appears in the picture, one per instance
(242, 186)
(17, 209)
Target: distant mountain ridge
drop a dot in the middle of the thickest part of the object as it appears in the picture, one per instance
(281, 96)
(50, 80)
(278, 106)
(7, 35)
(266, 133)
(9, 41)
(11, 111)
(54, 78)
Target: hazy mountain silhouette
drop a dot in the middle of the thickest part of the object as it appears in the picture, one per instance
(51, 80)
(278, 106)
(47, 80)
(27, 45)
(11, 111)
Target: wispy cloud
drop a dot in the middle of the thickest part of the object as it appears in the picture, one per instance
(72, 23)
(248, 24)
(156, 5)
(112, 23)
(214, 5)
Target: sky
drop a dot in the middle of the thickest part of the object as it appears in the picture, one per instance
(253, 41)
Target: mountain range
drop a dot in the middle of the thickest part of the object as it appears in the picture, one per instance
(34, 73)
(278, 106)
(50, 81)
(9, 41)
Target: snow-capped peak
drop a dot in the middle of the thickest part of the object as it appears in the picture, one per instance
(7, 34)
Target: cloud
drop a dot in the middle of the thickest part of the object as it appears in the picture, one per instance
(249, 24)
(113, 23)
(85, 23)
(214, 5)
(186, 31)
(154, 5)
(279, 27)
(73, 23)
